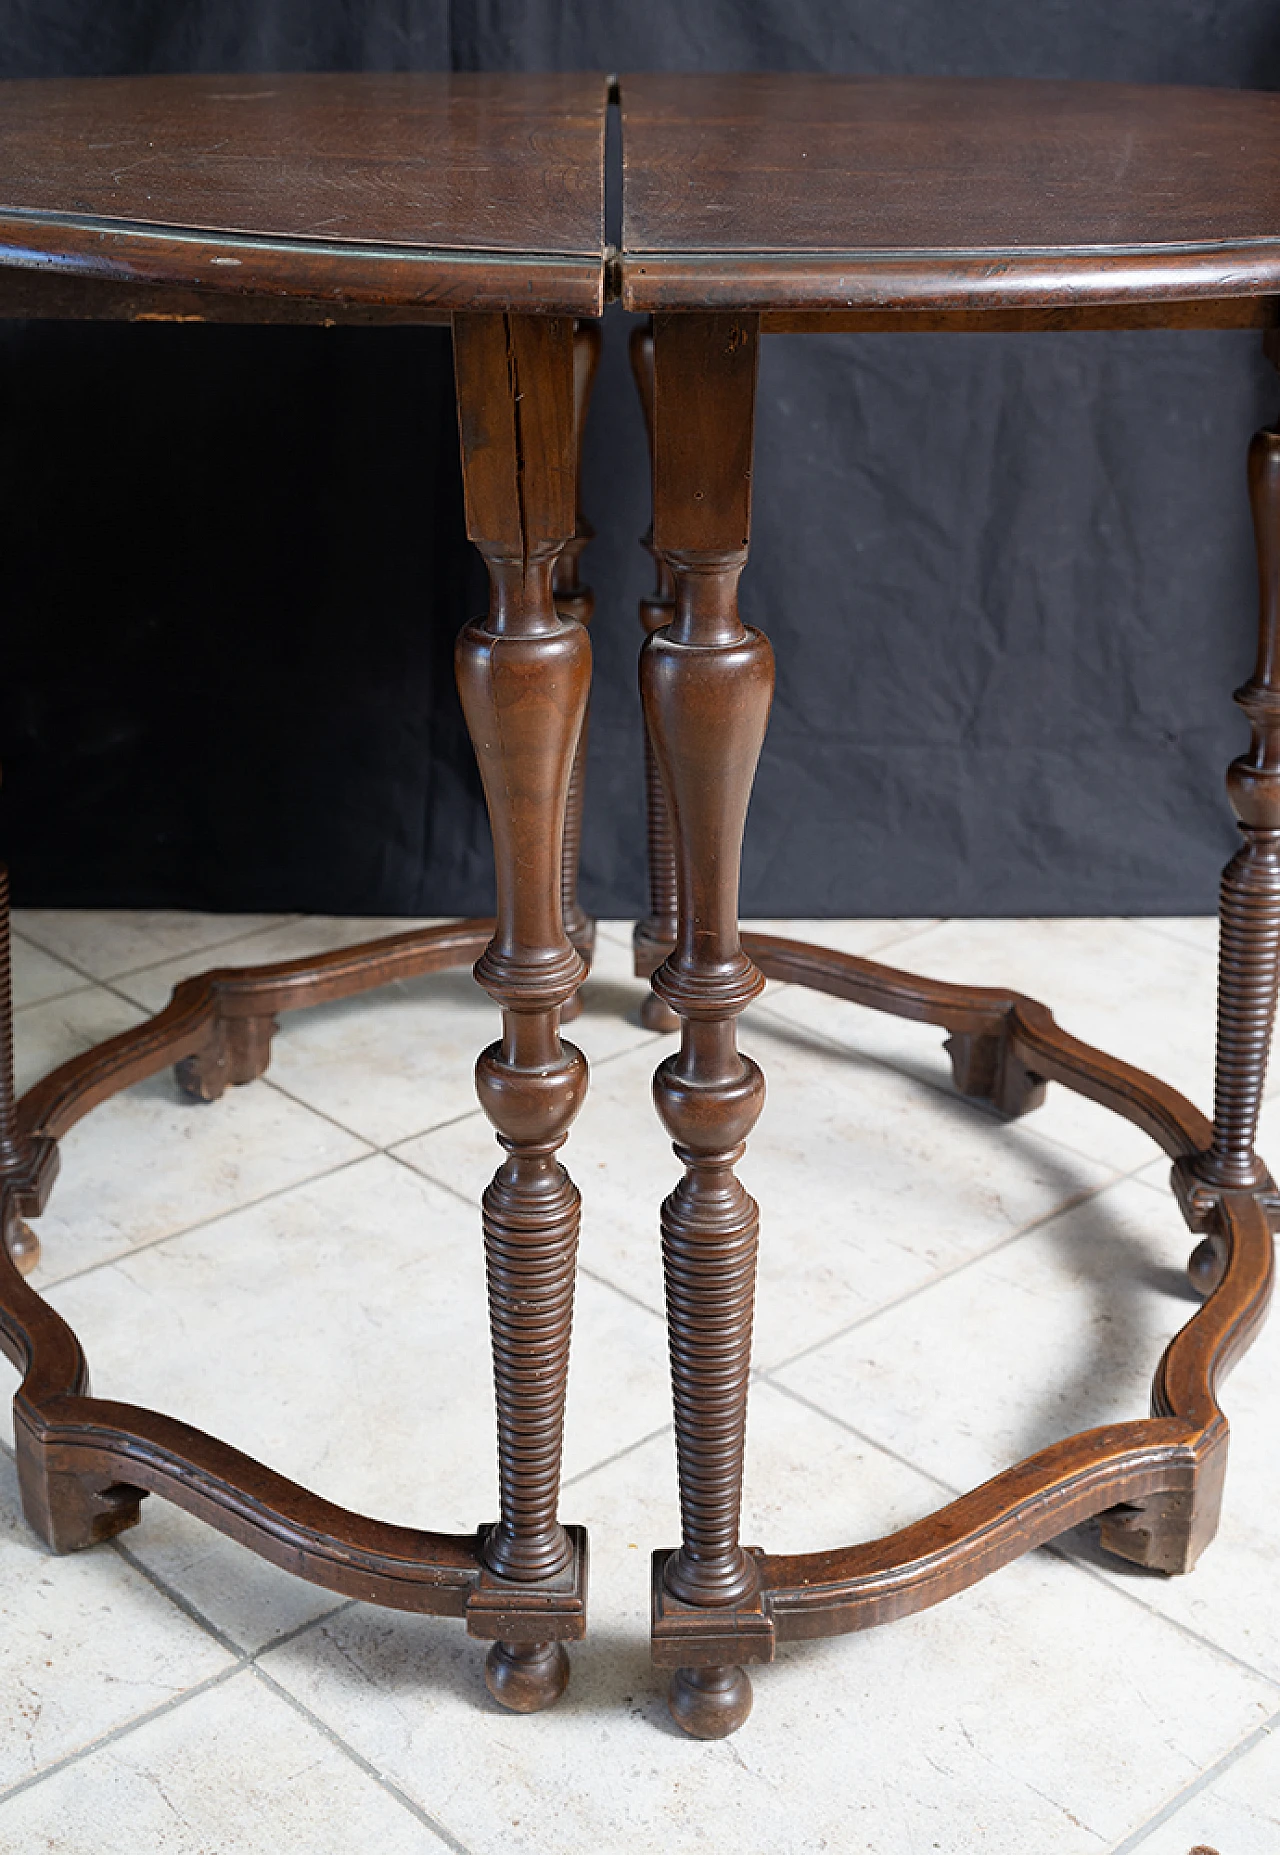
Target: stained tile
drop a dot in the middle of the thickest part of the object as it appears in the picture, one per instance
(983, 1725)
(86, 1645)
(1145, 997)
(235, 1769)
(152, 1160)
(104, 942)
(868, 1185)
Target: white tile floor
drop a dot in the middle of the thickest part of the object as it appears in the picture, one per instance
(297, 1268)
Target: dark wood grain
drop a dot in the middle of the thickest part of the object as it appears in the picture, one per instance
(428, 190)
(707, 682)
(523, 673)
(809, 191)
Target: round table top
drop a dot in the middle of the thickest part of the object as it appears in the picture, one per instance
(811, 192)
(436, 189)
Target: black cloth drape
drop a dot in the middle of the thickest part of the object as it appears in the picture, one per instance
(1009, 578)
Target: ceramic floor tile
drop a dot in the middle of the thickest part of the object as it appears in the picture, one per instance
(391, 1063)
(152, 1161)
(1239, 1813)
(982, 1727)
(338, 1332)
(37, 975)
(1145, 997)
(104, 942)
(865, 937)
(51, 1033)
(292, 938)
(868, 1185)
(1233, 1595)
(1200, 931)
(234, 1771)
(1059, 1330)
(86, 1645)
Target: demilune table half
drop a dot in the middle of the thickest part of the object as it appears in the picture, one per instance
(322, 199)
(759, 203)
(750, 204)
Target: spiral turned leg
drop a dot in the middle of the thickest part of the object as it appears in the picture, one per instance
(522, 675)
(21, 1241)
(707, 682)
(1249, 908)
(655, 936)
(576, 602)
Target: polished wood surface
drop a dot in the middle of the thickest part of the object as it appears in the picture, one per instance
(523, 674)
(429, 191)
(707, 684)
(1155, 1484)
(331, 199)
(807, 191)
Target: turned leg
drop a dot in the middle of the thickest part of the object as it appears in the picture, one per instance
(576, 601)
(707, 683)
(1249, 904)
(655, 936)
(22, 1242)
(522, 674)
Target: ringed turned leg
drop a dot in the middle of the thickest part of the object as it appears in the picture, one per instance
(15, 1158)
(576, 601)
(523, 673)
(1249, 902)
(655, 936)
(707, 682)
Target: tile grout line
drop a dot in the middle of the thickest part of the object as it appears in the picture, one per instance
(120, 1732)
(1198, 1784)
(1073, 1203)
(203, 1223)
(1117, 1584)
(148, 966)
(605, 1462)
(385, 1783)
(1050, 1546)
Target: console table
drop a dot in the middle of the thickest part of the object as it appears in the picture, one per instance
(324, 199)
(760, 203)
(751, 204)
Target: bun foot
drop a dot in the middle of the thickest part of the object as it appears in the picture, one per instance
(657, 1015)
(709, 1703)
(527, 1676)
(1204, 1270)
(24, 1246)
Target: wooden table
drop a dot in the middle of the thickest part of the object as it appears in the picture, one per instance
(471, 199)
(760, 203)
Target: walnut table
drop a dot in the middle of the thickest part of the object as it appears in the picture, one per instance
(790, 203)
(327, 199)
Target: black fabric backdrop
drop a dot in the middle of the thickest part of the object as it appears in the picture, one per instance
(1009, 579)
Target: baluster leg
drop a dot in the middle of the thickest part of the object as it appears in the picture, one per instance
(1249, 902)
(707, 682)
(576, 601)
(655, 936)
(523, 673)
(22, 1242)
